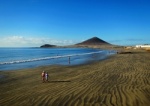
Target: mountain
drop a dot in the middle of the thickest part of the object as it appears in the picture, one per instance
(47, 46)
(94, 41)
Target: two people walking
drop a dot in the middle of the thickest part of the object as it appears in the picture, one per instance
(45, 76)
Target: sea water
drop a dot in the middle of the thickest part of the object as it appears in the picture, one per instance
(21, 58)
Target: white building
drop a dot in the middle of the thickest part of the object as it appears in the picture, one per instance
(142, 46)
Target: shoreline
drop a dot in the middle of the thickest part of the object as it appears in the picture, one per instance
(36, 62)
(120, 80)
(86, 63)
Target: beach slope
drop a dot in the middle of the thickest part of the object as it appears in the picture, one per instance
(121, 80)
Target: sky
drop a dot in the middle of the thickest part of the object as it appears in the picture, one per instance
(32, 23)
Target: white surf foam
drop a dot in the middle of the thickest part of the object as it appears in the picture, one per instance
(47, 58)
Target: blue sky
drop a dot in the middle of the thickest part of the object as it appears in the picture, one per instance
(64, 22)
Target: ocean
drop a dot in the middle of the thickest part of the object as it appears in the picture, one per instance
(21, 58)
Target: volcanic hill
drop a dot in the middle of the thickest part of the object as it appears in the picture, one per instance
(94, 41)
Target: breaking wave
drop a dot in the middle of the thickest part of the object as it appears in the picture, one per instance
(47, 58)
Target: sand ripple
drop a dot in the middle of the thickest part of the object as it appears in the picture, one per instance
(123, 80)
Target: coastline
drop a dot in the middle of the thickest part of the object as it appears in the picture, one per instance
(53, 57)
(122, 79)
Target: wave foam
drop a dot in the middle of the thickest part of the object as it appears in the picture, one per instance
(47, 58)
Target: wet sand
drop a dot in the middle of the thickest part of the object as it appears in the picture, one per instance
(121, 80)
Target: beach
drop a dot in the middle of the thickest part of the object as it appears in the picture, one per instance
(119, 80)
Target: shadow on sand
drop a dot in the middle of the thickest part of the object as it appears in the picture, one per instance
(57, 81)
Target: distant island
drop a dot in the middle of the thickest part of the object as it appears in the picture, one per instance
(47, 46)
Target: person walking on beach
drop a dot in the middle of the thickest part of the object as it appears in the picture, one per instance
(69, 60)
(43, 76)
(46, 76)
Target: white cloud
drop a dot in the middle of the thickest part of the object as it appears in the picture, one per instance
(20, 41)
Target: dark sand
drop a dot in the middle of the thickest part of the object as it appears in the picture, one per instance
(121, 80)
